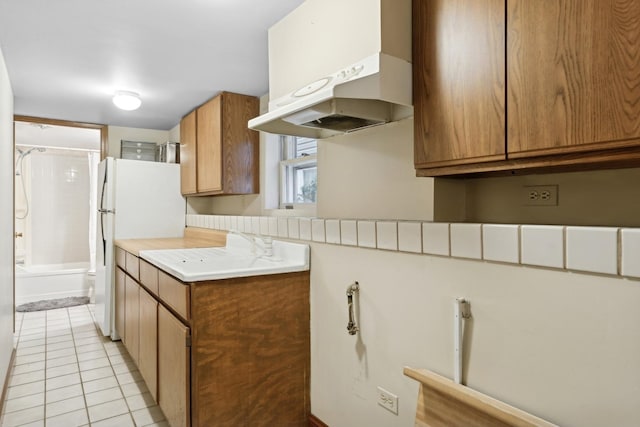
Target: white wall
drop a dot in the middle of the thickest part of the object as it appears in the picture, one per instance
(561, 345)
(6, 220)
(370, 174)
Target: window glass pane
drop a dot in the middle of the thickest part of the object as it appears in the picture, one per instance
(305, 182)
(298, 170)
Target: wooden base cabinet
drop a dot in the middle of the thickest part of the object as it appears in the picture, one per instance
(250, 354)
(173, 368)
(229, 352)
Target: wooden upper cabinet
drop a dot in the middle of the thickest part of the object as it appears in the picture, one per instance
(188, 154)
(226, 157)
(458, 81)
(574, 75)
(572, 85)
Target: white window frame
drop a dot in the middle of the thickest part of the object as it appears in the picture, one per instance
(291, 163)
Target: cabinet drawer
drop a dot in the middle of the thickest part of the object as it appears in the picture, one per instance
(132, 266)
(120, 257)
(174, 293)
(149, 276)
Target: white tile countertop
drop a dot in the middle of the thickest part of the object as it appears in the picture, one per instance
(242, 256)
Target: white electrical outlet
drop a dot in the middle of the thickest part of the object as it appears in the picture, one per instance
(388, 400)
(540, 195)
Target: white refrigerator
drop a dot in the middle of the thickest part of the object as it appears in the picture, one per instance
(136, 200)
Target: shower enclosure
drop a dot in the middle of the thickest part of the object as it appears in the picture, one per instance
(54, 211)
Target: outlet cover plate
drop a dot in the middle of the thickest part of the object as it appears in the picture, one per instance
(540, 195)
(388, 400)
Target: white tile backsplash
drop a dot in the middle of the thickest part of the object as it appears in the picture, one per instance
(630, 258)
(387, 235)
(435, 238)
(255, 224)
(273, 226)
(466, 240)
(234, 223)
(283, 227)
(264, 225)
(294, 228)
(349, 232)
(606, 250)
(410, 236)
(501, 243)
(367, 234)
(542, 245)
(332, 228)
(305, 228)
(593, 249)
(317, 230)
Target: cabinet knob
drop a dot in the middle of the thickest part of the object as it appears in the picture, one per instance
(18, 235)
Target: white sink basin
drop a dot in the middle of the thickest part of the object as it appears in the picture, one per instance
(234, 260)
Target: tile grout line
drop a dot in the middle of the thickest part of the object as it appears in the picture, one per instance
(75, 352)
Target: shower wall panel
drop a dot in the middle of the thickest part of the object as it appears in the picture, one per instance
(59, 214)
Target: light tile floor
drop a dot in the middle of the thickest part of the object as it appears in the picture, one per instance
(67, 374)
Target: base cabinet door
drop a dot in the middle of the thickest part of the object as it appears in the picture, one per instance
(148, 350)
(120, 303)
(132, 318)
(173, 368)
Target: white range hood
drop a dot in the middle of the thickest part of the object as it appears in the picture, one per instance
(372, 92)
(339, 66)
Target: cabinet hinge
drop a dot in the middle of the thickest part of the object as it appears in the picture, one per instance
(188, 341)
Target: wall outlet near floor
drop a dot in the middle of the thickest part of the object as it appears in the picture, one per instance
(388, 400)
(540, 195)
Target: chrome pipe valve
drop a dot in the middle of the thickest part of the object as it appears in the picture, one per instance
(352, 328)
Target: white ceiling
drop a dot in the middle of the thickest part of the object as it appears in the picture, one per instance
(66, 57)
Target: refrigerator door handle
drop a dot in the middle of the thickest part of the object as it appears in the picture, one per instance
(102, 211)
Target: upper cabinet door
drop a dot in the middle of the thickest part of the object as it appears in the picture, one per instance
(458, 81)
(188, 154)
(574, 75)
(209, 136)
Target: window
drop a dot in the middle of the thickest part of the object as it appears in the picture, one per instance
(298, 170)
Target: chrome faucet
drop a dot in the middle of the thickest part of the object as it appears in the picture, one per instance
(267, 243)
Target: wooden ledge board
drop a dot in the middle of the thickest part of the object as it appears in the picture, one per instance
(443, 402)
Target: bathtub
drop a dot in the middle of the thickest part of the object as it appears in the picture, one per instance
(42, 282)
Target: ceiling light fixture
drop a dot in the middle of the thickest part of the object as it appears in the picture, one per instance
(126, 100)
